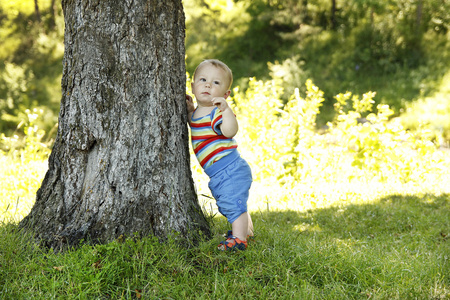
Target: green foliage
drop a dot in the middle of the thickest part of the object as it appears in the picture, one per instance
(429, 116)
(31, 52)
(290, 72)
(381, 146)
(23, 161)
(238, 32)
(397, 48)
(363, 151)
(384, 46)
(282, 142)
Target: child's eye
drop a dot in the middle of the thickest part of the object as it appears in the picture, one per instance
(202, 79)
(216, 82)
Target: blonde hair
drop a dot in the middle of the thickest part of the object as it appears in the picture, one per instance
(218, 64)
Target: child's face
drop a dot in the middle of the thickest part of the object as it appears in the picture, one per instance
(210, 82)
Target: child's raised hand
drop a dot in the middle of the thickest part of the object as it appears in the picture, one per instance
(190, 104)
(221, 103)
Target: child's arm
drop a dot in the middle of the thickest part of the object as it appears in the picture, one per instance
(229, 126)
(190, 106)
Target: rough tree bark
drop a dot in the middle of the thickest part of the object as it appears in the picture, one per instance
(120, 163)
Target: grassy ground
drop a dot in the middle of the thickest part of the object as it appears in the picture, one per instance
(394, 248)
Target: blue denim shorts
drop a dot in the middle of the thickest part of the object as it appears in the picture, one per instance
(230, 187)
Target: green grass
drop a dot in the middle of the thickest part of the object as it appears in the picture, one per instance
(394, 248)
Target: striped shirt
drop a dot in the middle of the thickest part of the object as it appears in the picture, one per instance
(208, 142)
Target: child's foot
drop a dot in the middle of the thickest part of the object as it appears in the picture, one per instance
(250, 238)
(232, 243)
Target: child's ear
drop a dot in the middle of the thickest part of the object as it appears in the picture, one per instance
(227, 94)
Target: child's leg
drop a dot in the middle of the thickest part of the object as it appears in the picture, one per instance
(250, 226)
(240, 226)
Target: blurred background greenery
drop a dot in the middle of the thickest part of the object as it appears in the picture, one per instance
(344, 117)
(397, 48)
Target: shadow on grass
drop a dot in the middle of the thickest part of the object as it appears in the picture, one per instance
(393, 248)
(395, 216)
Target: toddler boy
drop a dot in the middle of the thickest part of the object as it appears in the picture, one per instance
(213, 126)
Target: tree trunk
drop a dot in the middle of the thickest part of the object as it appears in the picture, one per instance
(52, 20)
(120, 163)
(36, 11)
(333, 14)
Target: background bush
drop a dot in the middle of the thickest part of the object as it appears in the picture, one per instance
(400, 49)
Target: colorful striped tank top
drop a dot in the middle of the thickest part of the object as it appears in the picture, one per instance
(208, 142)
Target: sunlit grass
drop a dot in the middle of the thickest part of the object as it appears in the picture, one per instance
(394, 248)
(336, 185)
(23, 164)
(19, 182)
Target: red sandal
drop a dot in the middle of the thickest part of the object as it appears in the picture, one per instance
(232, 243)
